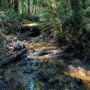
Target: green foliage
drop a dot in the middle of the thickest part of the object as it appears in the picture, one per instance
(11, 15)
(1, 32)
(87, 12)
(64, 18)
(9, 20)
(8, 16)
(38, 85)
(55, 16)
(2, 15)
(88, 28)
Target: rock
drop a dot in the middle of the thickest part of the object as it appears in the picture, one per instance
(32, 50)
(1, 77)
(41, 53)
(43, 77)
(53, 81)
(18, 46)
(1, 71)
(22, 63)
(82, 72)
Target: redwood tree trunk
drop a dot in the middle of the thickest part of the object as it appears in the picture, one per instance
(29, 7)
(84, 4)
(16, 6)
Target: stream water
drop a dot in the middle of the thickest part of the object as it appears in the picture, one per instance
(38, 70)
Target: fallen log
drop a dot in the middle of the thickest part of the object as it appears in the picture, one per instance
(14, 57)
(31, 25)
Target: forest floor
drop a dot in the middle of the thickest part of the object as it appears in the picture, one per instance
(41, 67)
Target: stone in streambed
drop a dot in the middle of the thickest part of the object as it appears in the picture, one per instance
(41, 53)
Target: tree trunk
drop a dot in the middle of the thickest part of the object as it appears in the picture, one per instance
(16, 6)
(14, 57)
(0, 3)
(22, 1)
(29, 7)
(8, 1)
(84, 4)
(76, 8)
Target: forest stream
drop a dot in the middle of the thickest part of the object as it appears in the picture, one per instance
(40, 67)
(44, 44)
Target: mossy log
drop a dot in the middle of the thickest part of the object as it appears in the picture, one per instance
(13, 58)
